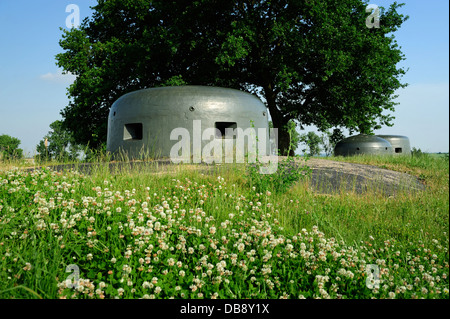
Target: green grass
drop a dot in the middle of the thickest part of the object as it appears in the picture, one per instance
(217, 233)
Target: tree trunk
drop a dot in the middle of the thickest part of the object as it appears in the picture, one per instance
(279, 121)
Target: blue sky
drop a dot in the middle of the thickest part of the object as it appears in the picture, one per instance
(33, 90)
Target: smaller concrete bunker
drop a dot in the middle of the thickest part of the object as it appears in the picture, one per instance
(363, 144)
(400, 144)
(150, 122)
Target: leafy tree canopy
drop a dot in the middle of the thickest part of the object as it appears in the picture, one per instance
(313, 61)
(9, 147)
(312, 141)
(60, 144)
(330, 139)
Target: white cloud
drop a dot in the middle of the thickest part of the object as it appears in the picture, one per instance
(58, 77)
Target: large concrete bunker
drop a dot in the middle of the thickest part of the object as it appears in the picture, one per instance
(150, 122)
(400, 144)
(363, 144)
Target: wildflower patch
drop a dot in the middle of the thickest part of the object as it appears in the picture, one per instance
(67, 235)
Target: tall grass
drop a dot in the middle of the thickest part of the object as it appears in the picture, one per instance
(190, 231)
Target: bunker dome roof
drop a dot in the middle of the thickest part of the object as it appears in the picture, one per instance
(393, 137)
(363, 139)
(189, 97)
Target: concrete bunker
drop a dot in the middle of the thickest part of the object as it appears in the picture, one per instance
(363, 144)
(400, 144)
(149, 122)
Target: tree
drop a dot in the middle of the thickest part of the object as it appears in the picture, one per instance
(313, 61)
(9, 147)
(312, 141)
(329, 140)
(60, 144)
(294, 135)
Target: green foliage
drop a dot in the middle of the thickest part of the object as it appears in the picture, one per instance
(60, 145)
(189, 235)
(315, 62)
(417, 152)
(312, 141)
(9, 148)
(288, 172)
(329, 140)
(294, 136)
(174, 81)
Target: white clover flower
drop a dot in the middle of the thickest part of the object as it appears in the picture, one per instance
(267, 256)
(68, 283)
(27, 267)
(171, 261)
(126, 269)
(147, 285)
